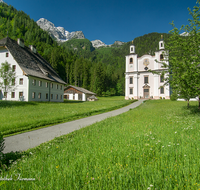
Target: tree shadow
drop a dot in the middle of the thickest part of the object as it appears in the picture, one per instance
(9, 104)
(192, 109)
(7, 159)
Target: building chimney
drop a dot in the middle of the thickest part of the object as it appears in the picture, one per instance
(33, 48)
(20, 42)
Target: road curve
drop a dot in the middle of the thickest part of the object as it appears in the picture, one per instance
(31, 139)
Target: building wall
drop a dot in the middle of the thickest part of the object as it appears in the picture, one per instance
(135, 69)
(44, 90)
(19, 87)
(24, 84)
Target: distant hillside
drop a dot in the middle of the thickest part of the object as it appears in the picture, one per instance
(78, 45)
(100, 70)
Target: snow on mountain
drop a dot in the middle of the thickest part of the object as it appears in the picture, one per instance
(97, 43)
(59, 33)
(184, 34)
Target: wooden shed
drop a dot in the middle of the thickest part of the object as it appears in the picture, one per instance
(77, 93)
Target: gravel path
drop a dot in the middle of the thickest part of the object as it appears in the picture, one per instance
(24, 141)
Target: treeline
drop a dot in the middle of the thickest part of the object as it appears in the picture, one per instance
(77, 61)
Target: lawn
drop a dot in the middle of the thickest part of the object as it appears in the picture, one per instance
(154, 146)
(22, 116)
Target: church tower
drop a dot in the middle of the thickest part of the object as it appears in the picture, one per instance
(161, 43)
(132, 48)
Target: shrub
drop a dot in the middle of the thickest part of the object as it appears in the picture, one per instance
(174, 96)
(160, 97)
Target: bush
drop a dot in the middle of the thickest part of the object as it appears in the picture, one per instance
(174, 96)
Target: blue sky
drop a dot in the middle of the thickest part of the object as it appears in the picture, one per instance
(109, 20)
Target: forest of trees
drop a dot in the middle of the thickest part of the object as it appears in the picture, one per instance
(77, 61)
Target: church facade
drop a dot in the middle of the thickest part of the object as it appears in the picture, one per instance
(139, 81)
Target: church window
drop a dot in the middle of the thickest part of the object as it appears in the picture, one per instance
(131, 90)
(161, 78)
(131, 80)
(131, 49)
(131, 60)
(146, 79)
(162, 90)
(161, 45)
(161, 57)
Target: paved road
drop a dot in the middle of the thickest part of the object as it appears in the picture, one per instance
(24, 141)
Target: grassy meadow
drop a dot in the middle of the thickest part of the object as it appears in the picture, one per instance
(22, 116)
(154, 146)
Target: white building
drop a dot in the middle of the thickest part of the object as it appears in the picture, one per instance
(139, 82)
(77, 93)
(35, 79)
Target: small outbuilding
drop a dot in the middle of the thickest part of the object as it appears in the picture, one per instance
(93, 98)
(77, 93)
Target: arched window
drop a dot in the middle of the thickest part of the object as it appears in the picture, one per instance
(131, 60)
(161, 57)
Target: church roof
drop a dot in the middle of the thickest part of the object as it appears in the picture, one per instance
(33, 64)
(80, 89)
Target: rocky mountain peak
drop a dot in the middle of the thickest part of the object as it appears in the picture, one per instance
(97, 43)
(59, 33)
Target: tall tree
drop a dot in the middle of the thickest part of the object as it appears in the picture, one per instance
(7, 76)
(183, 56)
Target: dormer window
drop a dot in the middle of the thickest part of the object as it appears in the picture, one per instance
(131, 60)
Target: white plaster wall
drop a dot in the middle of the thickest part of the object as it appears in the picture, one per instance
(19, 74)
(27, 88)
(141, 61)
(76, 96)
(83, 97)
(70, 96)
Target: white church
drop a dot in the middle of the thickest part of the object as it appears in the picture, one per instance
(141, 83)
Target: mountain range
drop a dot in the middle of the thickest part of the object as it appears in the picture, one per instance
(59, 33)
(62, 35)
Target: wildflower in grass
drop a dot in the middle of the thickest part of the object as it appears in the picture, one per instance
(163, 146)
(175, 131)
(57, 166)
(151, 185)
(185, 155)
(178, 144)
(169, 145)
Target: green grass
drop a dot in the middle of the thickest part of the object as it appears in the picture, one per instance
(23, 116)
(154, 146)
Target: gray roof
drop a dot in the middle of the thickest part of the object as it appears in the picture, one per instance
(80, 89)
(33, 64)
(93, 97)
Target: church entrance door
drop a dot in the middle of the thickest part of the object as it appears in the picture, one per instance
(146, 93)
